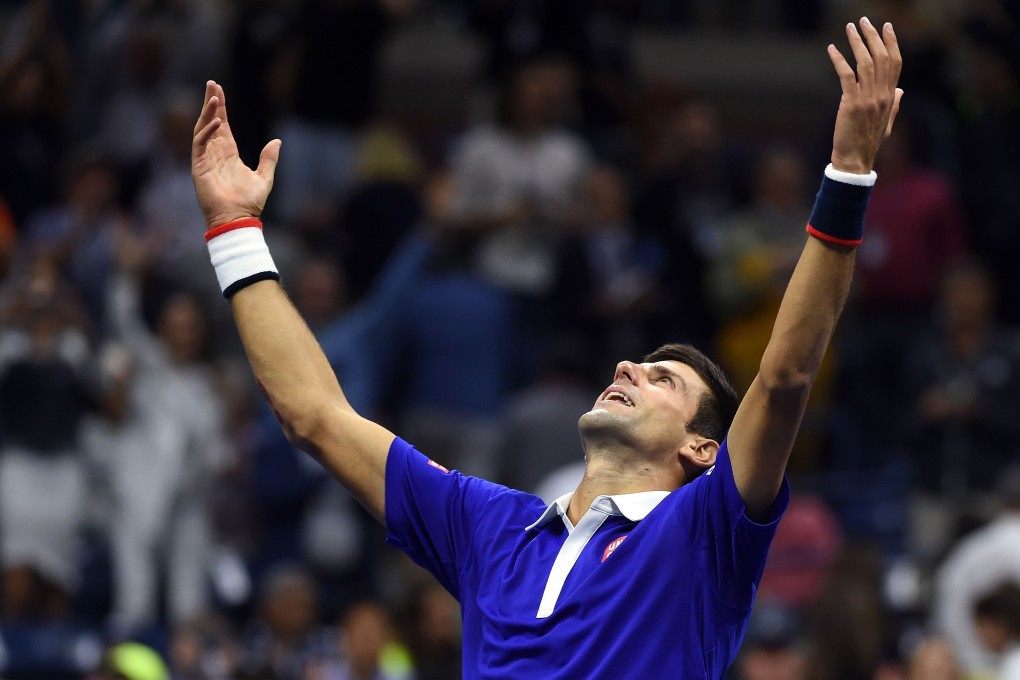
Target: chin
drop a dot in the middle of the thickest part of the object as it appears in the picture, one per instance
(599, 423)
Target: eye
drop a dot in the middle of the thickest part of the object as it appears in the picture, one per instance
(666, 379)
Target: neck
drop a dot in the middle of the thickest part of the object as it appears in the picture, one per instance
(611, 478)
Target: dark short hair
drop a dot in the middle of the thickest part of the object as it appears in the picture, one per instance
(1001, 604)
(716, 407)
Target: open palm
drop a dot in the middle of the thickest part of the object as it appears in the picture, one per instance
(227, 189)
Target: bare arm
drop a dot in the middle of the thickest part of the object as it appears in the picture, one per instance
(763, 431)
(286, 358)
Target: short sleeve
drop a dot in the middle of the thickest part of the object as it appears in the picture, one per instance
(731, 547)
(432, 512)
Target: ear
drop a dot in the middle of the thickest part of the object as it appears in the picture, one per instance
(699, 452)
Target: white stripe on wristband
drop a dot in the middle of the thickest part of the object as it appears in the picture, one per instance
(867, 180)
(239, 255)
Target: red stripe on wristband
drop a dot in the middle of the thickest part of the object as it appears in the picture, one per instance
(832, 239)
(230, 226)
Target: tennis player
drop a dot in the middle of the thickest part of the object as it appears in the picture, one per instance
(649, 568)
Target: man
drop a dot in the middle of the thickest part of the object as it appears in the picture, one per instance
(649, 568)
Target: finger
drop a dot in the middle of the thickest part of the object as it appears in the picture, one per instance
(268, 159)
(201, 141)
(847, 77)
(895, 109)
(892, 46)
(865, 66)
(208, 110)
(221, 95)
(879, 55)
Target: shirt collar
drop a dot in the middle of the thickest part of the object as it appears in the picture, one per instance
(633, 506)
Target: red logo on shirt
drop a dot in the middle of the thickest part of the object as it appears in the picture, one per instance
(438, 466)
(613, 545)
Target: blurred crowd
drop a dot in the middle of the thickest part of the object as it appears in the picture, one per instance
(473, 272)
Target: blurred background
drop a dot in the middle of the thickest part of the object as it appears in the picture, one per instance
(481, 206)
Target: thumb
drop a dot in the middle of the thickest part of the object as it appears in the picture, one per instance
(895, 109)
(268, 159)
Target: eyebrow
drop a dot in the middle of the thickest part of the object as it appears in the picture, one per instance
(663, 370)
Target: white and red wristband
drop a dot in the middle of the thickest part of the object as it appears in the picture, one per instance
(239, 255)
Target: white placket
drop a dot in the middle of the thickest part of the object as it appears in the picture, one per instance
(571, 549)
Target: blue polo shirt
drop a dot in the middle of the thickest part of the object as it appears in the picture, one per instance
(652, 585)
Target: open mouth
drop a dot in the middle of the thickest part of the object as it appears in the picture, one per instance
(616, 395)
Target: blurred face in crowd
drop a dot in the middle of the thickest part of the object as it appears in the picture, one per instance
(933, 660)
(366, 630)
(541, 94)
(780, 181)
(438, 623)
(968, 299)
(182, 329)
(697, 127)
(290, 609)
(94, 189)
(765, 663)
(607, 194)
(319, 292)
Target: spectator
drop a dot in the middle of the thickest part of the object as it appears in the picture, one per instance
(35, 78)
(690, 178)
(164, 454)
(846, 619)
(539, 429)
(204, 649)
(916, 231)
(368, 648)
(78, 232)
(964, 391)
(323, 132)
(806, 544)
(47, 384)
(974, 566)
(460, 343)
(608, 289)
(434, 633)
(285, 641)
(933, 660)
(997, 618)
(383, 207)
(166, 199)
(773, 648)
(518, 180)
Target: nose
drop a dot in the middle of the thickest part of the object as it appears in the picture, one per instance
(628, 370)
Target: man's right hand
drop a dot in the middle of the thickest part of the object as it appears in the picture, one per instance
(227, 189)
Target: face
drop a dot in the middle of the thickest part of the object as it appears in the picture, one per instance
(182, 329)
(646, 408)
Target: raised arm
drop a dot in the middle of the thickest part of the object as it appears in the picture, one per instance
(769, 416)
(286, 359)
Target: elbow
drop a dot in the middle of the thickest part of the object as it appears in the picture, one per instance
(790, 380)
(305, 425)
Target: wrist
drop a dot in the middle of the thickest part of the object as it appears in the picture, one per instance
(239, 255)
(854, 166)
(840, 205)
(220, 219)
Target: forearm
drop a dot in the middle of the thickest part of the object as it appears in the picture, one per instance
(284, 355)
(305, 395)
(807, 316)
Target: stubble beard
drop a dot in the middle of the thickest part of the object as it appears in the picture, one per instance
(604, 432)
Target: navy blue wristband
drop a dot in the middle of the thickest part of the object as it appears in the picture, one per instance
(838, 215)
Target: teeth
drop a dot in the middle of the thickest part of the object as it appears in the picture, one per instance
(619, 396)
